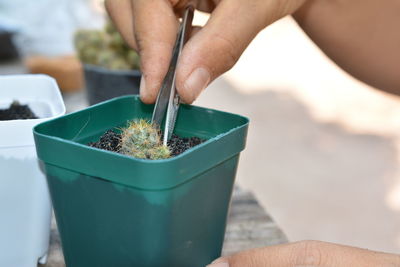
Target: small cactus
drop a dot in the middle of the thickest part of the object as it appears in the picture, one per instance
(141, 139)
(105, 48)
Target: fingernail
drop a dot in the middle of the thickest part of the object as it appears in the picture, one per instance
(142, 87)
(219, 263)
(197, 81)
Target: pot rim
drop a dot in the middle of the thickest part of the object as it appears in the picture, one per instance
(113, 166)
(18, 133)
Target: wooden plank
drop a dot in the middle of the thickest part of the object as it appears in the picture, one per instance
(249, 226)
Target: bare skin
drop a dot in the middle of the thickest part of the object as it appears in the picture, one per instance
(150, 27)
(309, 254)
(361, 36)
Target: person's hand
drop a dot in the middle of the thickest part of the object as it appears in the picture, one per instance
(150, 27)
(308, 254)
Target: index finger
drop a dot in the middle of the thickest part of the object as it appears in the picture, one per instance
(120, 12)
(155, 25)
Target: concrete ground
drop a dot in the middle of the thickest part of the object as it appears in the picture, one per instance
(322, 152)
(323, 149)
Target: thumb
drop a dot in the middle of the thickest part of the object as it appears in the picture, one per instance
(216, 47)
(274, 256)
(308, 253)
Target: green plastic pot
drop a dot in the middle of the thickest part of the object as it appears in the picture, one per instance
(115, 210)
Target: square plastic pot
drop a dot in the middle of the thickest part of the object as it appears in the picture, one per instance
(115, 210)
(25, 208)
(103, 84)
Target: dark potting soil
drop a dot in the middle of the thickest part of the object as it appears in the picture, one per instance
(178, 144)
(110, 141)
(16, 111)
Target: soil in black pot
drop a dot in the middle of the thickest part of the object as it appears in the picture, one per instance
(110, 141)
(16, 111)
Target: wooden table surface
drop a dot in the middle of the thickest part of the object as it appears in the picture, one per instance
(249, 226)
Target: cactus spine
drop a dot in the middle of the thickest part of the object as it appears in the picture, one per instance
(141, 139)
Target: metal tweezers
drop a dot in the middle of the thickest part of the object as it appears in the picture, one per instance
(168, 99)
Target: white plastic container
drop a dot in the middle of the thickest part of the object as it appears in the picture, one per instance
(25, 208)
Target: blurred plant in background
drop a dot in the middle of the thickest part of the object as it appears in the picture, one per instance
(105, 48)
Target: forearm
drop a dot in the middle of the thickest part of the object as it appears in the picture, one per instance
(361, 36)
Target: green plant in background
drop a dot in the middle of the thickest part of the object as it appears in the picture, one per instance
(141, 139)
(105, 48)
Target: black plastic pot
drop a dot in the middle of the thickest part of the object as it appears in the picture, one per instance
(8, 50)
(103, 84)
